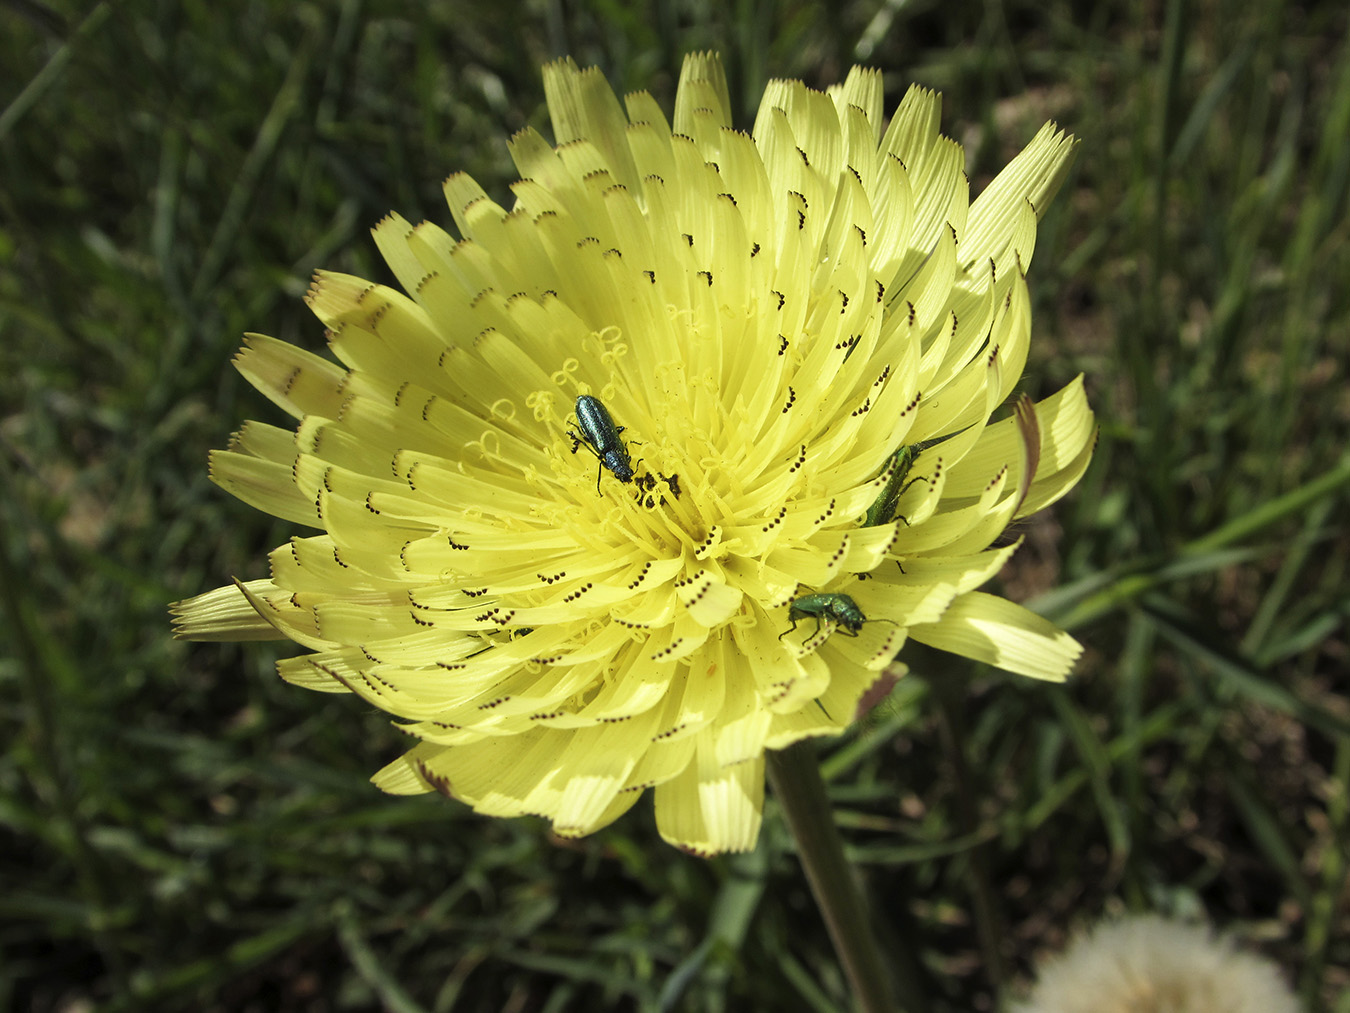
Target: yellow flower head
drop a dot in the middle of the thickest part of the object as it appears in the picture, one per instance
(659, 468)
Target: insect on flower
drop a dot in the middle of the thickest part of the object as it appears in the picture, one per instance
(601, 437)
(882, 510)
(840, 608)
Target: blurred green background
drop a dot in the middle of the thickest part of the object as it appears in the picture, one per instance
(183, 831)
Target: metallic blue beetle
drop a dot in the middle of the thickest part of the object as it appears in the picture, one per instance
(601, 437)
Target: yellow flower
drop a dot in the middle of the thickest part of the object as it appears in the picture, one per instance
(566, 614)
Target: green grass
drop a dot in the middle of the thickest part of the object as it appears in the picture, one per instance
(183, 831)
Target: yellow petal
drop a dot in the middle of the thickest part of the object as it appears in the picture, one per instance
(999, 633)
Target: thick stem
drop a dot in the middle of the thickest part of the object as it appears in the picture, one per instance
(797, 784)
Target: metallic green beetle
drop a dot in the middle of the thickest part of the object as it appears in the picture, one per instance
(882, 510)
(839, 607)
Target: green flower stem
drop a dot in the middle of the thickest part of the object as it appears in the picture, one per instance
(800, 790)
